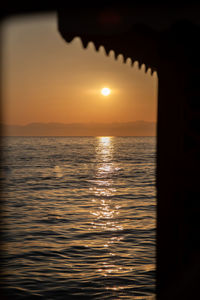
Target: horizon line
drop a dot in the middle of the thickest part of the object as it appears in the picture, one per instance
(60, 136)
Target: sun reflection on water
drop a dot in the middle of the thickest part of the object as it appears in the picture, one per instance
(105, 212)
(105, 140)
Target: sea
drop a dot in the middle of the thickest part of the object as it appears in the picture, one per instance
(78, 218)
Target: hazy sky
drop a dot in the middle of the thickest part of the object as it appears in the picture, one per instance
(47, 80)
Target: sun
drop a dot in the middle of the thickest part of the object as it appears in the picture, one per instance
(105, 91)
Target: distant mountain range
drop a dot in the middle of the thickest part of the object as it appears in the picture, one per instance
(137, 128)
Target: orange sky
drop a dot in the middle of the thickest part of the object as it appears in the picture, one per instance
(47, 80)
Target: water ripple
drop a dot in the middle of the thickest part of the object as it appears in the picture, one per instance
(78, 218)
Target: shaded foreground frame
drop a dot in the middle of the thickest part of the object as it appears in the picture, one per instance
(165, 39)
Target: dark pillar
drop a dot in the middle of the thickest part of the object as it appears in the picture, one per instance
(178, 164)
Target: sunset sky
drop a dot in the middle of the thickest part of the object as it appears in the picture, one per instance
(47, 80)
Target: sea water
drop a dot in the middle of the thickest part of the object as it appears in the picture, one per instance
(78, 217)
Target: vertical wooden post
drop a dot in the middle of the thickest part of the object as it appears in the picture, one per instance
(178, 166)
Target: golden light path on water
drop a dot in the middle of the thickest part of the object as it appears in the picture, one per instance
(105, 216)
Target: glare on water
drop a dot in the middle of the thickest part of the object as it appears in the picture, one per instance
(106, 213)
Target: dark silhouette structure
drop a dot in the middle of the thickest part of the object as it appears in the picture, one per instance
(165, 39)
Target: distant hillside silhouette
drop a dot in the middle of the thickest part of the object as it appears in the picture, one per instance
(137, 128)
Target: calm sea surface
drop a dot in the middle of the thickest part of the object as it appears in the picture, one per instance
(78, 217)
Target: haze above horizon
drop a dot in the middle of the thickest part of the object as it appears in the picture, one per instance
(46, 80)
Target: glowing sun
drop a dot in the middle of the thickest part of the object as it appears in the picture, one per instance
(105, 91)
